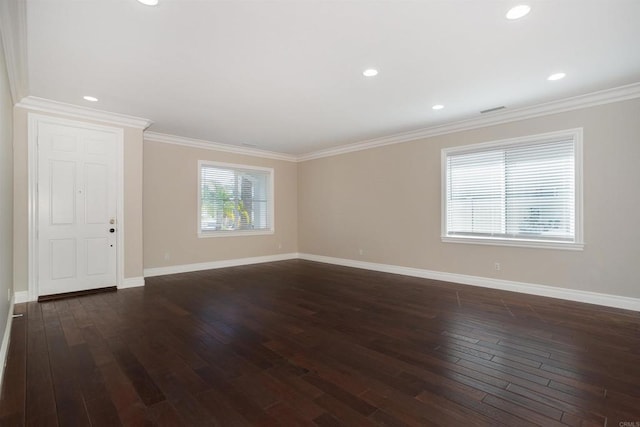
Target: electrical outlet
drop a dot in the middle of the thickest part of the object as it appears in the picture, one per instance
(279, 245)
(360, 251)
(496, 266)
(9, 295)
(167, 256)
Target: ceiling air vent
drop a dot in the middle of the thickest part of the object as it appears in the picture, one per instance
(491, 110)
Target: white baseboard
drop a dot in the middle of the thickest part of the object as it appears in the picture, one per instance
(173, 269)
(616, 301)
(607, 300)
(132, 282)
(6, 339)
(22, 296)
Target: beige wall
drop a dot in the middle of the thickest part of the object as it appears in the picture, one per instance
(133, 195)
(383, 201)
(386, 201)
(171, 209)
(6, 195)
(132, 198)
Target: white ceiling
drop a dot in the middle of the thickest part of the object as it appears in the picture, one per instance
(286, 76)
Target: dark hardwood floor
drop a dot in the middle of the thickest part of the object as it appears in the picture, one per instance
(301, 343)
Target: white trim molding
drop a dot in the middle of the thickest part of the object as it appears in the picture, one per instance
(616, 301)
(22, 297)
(6, 339)
(54, 107)
(608, 96)
(216, 146)
(186, 268)
(577, 295)
(132, 282)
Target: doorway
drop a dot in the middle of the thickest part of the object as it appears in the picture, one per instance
(75, 172)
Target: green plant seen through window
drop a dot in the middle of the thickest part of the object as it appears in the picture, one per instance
(227, 212)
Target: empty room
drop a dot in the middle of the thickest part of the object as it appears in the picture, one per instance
(320, 213)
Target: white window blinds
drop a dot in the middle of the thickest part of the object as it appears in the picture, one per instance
(519, 191)
(235, 198)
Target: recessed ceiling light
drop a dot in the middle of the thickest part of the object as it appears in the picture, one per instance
(518, 12)
(438, 107)
(90, 98)
(370, 72)
(149, 2)
(556, 76)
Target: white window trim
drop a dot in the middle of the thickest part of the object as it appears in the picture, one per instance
(236, 233)
(576, 135)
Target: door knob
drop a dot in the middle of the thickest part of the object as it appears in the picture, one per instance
(112, 230)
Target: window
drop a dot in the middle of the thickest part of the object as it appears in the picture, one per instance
(521, 192)
(234, 200)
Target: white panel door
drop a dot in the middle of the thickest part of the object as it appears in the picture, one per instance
(77, 228)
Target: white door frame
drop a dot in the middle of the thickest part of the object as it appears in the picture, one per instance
(34, 120)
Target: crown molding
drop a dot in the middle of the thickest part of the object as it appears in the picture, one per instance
(216, 146)
(607, 96)
(13, 28)
(54, 107)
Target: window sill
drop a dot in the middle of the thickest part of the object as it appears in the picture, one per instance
(539, 244)
(235, 233)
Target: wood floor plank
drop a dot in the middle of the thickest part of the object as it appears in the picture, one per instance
(140, 379)
(70, 400)
(234, 397)
(299, 343)
(130, 408)
(97, 399)
(13, 394)
(163, 414)
(346, 398)
(40, 398)
(221, 411)
(521, 411)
